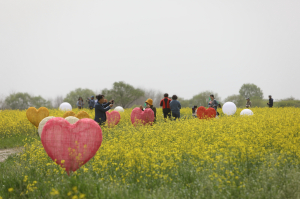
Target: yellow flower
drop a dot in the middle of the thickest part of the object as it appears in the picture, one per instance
(54, 192)
(82, 196)
(10, 189)
(74, 189)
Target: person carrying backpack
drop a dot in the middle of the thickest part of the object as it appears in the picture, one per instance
(165, 103)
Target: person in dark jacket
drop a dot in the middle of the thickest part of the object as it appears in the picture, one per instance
(101, 108)
(165, 103)
(270, 101)
(175, 107)
(149, 104)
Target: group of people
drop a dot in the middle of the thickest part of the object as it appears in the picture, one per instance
(171, 107)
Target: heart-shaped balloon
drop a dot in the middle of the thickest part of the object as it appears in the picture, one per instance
(142, 117)
(203, 113)
(112, 118)
(79, 115)
(70, 119)
(36, 116)
(71, 145)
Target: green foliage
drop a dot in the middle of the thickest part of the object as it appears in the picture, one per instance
(287, 103)
(238, 100)
(184, 103)
(72, 97)
(251, 91)
(202, 98)
(24, 100)
(123, 94)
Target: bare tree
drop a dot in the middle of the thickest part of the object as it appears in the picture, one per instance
(155, 95)
(57, 101)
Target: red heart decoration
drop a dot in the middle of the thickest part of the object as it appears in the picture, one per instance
(142, 117)
(112, 118)
(203, 113)
(71, 145)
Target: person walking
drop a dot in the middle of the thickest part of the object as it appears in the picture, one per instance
(175, 107)
(149, 104)
(270, 101)
(248, 103)
(101, 108)
(165, 103)
(80, 103)
(213, 103)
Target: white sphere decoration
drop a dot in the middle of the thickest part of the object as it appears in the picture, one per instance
(246, 112)
(229, 108)
(42, 124)
(119, 109)
(65, 106)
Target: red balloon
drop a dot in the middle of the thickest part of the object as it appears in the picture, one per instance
(112, 118)
(142, 117)
(203, 113)
(71, 145)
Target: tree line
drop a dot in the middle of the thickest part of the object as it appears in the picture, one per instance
(128, 96)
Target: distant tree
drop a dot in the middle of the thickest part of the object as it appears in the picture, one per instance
(238, 100)
(72, 97)
(184, 103)
(202, 99)
(251, 90)
(57, 101)
(40, 102)
(24, 101)
(123, 94)
(18, 101)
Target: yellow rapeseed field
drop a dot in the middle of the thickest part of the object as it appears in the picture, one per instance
(229, 157)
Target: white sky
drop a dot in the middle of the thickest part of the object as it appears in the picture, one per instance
(182, 47)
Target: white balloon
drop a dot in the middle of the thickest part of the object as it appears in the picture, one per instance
(119, 109)
(246, 112)
(72, 119)
(42, 124)
(229, 108)
(65, 106)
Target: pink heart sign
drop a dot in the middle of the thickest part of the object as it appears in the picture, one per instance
(71, 145)
(112, 118)
(142, 117)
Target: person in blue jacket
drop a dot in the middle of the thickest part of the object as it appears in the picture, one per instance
(175, 107)
(101, 108)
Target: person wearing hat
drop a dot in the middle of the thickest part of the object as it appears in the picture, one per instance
(248, 103)
(149, 104)
(91, 102)
(270, 101)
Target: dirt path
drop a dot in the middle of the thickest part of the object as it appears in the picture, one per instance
(4, 153)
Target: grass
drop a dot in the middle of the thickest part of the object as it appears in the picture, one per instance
(13, 141)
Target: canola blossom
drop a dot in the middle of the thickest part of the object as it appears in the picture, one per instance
(230, 156)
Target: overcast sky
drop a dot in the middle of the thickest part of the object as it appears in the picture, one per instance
(49, 48)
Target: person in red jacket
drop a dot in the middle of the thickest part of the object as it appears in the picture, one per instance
(165, 103)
